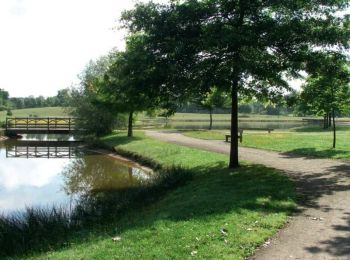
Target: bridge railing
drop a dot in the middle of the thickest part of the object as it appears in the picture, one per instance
(40, 123)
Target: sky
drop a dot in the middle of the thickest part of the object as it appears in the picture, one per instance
(45, 44)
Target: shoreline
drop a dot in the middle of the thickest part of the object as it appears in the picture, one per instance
(124, 159)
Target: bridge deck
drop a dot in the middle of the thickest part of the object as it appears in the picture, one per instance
(26, 125)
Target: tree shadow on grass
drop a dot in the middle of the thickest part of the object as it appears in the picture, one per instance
(222, 190)
(312, 153)
(215, 190)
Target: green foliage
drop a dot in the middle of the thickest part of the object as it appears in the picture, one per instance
(61, 99)
(215, 98)
(94, 114)
(4, 96)
(9, 112)
(255, 41)
(327, 87)
(131, 84)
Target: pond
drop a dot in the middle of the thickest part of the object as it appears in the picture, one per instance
(40, 171)
(243, 124)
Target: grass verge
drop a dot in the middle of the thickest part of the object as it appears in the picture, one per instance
(36, 112)
(220, 213)
(311, 141)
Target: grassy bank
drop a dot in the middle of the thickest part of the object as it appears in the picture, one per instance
(37, 112)
(220, 213)
(312, 141)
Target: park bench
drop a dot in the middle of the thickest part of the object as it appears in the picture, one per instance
(240, 133)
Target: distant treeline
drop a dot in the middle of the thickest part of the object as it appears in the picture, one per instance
(7, 103)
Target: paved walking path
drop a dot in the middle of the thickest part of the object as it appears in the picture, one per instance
(322, 229)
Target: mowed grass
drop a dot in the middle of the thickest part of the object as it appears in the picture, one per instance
(312, 141)
(219, 214)
(38, 112)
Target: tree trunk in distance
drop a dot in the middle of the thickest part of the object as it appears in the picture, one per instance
(330, 120)
(334, 130)
(211, 119)
(130, 132)
(234, 163)
(325, 121)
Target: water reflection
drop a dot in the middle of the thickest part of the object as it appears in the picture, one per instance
(41, 149)
(97, 173)
(29, 179)
(47, 137)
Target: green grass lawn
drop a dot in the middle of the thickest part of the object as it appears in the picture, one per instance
(38, 112)
(220, 213)
(304, 141)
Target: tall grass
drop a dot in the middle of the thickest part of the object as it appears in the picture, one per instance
(43, 229)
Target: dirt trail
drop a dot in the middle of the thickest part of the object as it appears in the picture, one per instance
(322, 229)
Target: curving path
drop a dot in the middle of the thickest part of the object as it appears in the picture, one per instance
(322, 229)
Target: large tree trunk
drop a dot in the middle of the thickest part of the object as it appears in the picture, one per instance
(234, 163)
(334, 129)
(130, 130)
(211, 119)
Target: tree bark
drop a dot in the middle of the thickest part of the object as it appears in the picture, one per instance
(334, 129)
(234, 163)
(130, 130)
(211, 119)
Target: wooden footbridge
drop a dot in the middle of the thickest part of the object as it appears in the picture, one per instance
(38, 125)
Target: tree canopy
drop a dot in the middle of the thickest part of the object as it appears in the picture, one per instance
(247, 47)
(327, 89)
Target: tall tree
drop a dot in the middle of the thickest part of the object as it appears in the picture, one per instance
(93, 113)
(131, 81)
(327, 89)
(216, 98)
(243, 46)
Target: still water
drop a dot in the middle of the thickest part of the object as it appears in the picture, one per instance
(50, 173)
